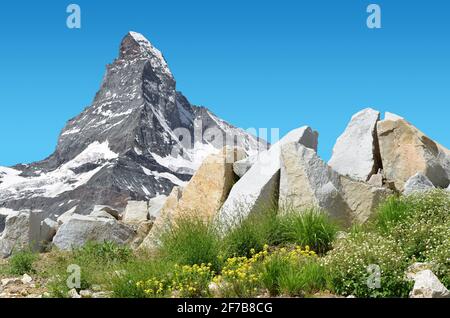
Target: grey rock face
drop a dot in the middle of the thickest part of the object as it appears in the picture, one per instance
(136, 212)
(138, 139)
(15, 236)
(80, 229)
(427, 285)
(356, 152)
(418, 183)
(306, 181)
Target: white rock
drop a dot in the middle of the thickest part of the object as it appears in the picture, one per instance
(307, 181)
(417, 183)
(136, 212)
(86, 293)
(155, 206)
(415, 268)
(26, 279)
(354, 153)
(63, 218)
(16, 234)
(427, 285)
(80, 229)
(258, 187)
(73, 293)
(242, 166)
(9, 281)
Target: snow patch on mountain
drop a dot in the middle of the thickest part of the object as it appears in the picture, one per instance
(53, 183)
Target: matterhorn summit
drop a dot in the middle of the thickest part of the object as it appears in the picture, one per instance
(138, 139)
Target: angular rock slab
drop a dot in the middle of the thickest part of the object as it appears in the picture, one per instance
(258, 188)
(306, 181)
(417, 183)
(135, 212)
(405, 151)
(80, 229)
(16, 234)
(362, 198)
(355, 153)
(427, 285)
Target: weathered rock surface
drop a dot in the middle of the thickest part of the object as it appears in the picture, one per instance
(136, 212)
(258, 188)
(15, 236)
(406, 151)
(362, 198)
(418, 183)
(241, 167)
(79, 230)
(63, 218)
(306, 181)
(427, 285)
(356, 152)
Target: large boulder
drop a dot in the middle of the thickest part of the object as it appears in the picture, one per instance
(417, 183)
(211, 184)
(3, 215)
(356, 153)
(16, 234)
(306, 181)
(406, 151)
(80, 229)
(136, 212)
(258, 188)
(427, 285)
(362, 198)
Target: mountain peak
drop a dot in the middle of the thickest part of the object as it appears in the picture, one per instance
(135, 45)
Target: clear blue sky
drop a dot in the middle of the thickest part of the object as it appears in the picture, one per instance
(255, 63)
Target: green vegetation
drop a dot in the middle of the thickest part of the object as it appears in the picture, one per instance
(21, 262)
(288, 254)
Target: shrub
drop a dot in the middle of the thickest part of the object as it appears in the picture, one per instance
(348, 266)
(21, 262)
(191, 241)
(311, 228)
(418, 222)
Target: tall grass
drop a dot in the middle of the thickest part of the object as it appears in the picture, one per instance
(191, 241)
(310, 227)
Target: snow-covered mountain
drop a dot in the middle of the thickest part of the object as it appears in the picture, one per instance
(138, 139)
